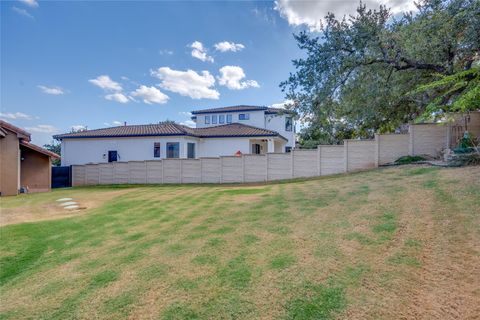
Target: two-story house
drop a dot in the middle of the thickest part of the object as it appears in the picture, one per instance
(225, 131)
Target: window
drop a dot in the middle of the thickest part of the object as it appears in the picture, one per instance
(256, 148)
(173, 150)
(288, 124)
(112, 156)
(207, 119)
(229, 118)
(214, 119)
(244, 116)
(156, 149)
(221, 118)
(191, 150)
(288, 149)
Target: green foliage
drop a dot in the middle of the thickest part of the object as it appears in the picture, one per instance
(459, 92)
(55, 148)
(409, 159)
(359, 72)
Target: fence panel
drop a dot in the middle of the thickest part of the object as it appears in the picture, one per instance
(121, 174)
(232, 169)
(391, 147)
(137, 172)
(427, 139)
(91, 174)
(191, 171)
(172, 171)
(154, 171)
(255, 167)
(105, 173)
(211, 170)
(78, 175)
(279, 166)
(360, 154)
(305, 163)
(331, 159)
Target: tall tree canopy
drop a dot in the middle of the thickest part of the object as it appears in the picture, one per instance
(362, 74)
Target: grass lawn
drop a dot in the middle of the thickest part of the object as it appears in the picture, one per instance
(392, 243)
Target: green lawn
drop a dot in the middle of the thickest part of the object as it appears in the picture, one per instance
(389, 244)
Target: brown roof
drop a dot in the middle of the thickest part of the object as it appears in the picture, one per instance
(231, 109)
(242, 108)
(173, 129)
(39, 149)
(20, 132)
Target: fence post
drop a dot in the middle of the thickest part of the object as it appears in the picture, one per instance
(221, 169)
(266, 166)
(377, 150)
(319, 160)
(411, 149)
(345, 154)
(243, 168)
(292, 164)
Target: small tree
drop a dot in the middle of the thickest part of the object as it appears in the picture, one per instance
(56, 148)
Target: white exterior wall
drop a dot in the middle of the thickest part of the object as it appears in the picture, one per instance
(277, 123)
(92, 150)
(257, 119)
(214, 147)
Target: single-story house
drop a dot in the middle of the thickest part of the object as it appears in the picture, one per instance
(22, 164)
(225, 131)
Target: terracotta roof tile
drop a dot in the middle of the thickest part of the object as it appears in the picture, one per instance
(173, 129)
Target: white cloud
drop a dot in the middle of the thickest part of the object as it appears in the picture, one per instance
(231, 76)
(229, 46)
(51, 90)
(185, 113)
(311, 13)
(117, 96)
(22, 12)
(30, 3)
(165, 52)
(113, 124)
(16, 116)
(78, 127)
(200, 52)
(282, 105)
(106, 83)
(187, 83)
(42, 128)
(150, 95)
(189, 123)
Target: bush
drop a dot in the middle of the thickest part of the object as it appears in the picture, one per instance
(409, 159)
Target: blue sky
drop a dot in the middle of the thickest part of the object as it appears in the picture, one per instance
(99, 63)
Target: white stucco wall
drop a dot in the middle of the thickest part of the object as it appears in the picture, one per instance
(257, 119)
(95, 150)
(277, 123)
(214, 147)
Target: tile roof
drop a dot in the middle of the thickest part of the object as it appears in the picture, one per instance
(172, 129)
(231, 109)
(39, 149)
(20, 132)
(240, 108)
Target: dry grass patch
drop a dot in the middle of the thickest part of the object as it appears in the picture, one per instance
(390, 243)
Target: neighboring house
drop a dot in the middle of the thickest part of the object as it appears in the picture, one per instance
(22, 164)
(230, 131)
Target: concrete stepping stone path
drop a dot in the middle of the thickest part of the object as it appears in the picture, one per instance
(64, 199)
(68, 203)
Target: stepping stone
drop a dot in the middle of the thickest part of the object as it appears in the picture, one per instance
(73, 207)
(64, 199)
(68, 203)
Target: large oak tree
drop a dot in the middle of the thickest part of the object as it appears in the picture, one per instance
(361, 74)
